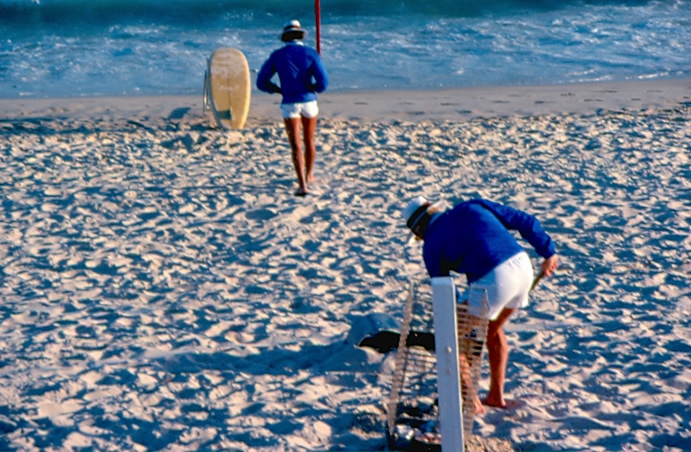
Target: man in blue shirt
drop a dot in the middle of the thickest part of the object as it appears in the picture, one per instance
(302, 76)
(474, 238)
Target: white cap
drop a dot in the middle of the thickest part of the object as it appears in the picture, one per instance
(413, 213)
(419, 209)
(413, 207)
(292, 30)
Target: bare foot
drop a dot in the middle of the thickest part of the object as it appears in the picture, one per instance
(301, 192)
(506, 405)
(477, 407)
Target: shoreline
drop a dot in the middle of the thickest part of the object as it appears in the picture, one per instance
(383, 105)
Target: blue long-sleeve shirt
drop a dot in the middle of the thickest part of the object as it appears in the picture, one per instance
(473, 238)
(300, 71)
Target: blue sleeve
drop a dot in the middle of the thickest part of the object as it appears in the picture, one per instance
(527, 225)
(433, 262)
(320, 77)
(264, 76)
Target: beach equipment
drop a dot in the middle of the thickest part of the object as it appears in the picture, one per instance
(380, 332)
(537, 279)
(318, 21)
(418, 402)
(430, 410)
(227, 88)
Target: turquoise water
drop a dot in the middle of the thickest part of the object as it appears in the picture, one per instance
(109, 47)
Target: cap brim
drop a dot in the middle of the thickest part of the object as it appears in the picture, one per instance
(293, 34)
(412, 238)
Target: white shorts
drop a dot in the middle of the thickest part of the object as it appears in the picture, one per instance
(507, 285)
(300, 109)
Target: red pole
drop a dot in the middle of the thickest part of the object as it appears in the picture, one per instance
(317, 16)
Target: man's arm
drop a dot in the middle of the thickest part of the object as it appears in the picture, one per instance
(321, 79)
(530, 229)
(264, 82)
(434, 263)
(526, 224)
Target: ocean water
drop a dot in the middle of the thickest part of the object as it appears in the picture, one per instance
(52, 48)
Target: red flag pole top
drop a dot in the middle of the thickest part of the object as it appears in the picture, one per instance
(317, 16)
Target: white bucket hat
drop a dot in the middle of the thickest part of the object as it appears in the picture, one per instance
(418, 209)
(292, 31)
(415, 206)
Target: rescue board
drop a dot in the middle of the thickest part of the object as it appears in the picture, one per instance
(227, 88)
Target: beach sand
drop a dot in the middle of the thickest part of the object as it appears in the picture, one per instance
(162, 288)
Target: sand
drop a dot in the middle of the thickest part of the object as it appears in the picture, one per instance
(162, 288)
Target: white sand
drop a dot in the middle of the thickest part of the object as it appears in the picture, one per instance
(163, 289)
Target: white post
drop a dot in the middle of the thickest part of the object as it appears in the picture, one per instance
(448, 376)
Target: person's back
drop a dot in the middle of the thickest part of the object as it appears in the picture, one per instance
(472, 238)
(299, 70)
(301, 75)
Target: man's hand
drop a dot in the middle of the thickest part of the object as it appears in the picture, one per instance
(550, 264)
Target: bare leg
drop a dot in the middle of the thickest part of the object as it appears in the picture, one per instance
(293, 131)
(466, 324)
(498, 355)
(309, 126)
(464, 361)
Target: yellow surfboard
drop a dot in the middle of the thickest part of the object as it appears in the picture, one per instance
(227, 88)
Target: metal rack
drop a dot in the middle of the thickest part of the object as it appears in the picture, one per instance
(412, 409)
